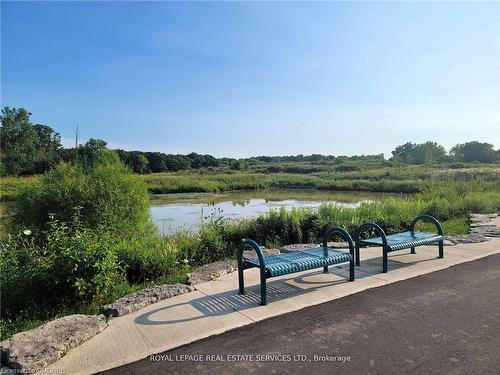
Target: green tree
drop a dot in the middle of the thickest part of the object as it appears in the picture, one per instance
(138, 162)
(404, 153)
(156, 161)
(17, 141)
(177, 162)
(428, 152)
(474, 151)
(239, 165)
(48, 144)
(95, 152)
(27, 148)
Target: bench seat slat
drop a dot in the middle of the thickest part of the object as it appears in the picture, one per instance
(296, 261)
(405, 240)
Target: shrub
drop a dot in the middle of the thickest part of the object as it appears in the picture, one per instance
(71, 265)
(109, 196)
(211, 245)
(147, 259)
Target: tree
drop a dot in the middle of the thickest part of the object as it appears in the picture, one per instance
(177, 162)
(17, 141)
(156, 161)
(27, 148)
(137, 162)
(48, 144)
(239, 165)
(422, 153)
(473, 151)
(428, 152)
(404, 153)
(95, 152)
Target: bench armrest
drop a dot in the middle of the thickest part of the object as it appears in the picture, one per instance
(375, 227)
(343, 233)
(250, 244)
(427, 218)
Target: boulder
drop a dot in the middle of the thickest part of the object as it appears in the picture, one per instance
(143, 298)
(467, 238)
(33, 350)
(212, 271)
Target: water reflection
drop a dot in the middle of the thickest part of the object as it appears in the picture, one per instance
(173, 212)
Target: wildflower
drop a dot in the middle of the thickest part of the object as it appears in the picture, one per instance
(27, 232)
(185, 261)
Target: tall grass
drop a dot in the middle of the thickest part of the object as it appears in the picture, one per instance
(10, 186)
(403, 179)
(394, 179)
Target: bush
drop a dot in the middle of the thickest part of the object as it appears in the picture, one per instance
(109, 197)
(147, 259)
(70, 266)
(211, 245)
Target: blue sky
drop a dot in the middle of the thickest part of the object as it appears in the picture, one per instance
(246, 79)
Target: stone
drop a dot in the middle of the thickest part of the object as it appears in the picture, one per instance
(212, 271)
(482, 228)
(448, 242)
(468, 238)
(31, 351)
(143, 298)
(483, 225)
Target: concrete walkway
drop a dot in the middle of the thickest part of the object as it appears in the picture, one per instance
(216, 307)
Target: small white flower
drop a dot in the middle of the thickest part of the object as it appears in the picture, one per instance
(185, 261)
(27, 232)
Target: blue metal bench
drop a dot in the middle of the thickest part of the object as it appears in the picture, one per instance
(296, 261)
(399, 241)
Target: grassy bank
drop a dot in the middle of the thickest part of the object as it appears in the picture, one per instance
(393, 179)
(400, 179)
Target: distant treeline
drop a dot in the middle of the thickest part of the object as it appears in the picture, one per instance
(28, 148)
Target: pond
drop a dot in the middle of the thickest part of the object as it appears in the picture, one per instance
(173, 212)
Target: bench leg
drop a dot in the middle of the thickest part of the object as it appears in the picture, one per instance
(241, 281)
(263, 288)
(384, 259)
(351, 270)
(413, 250)
(325, 269)
(358, 262)
(441, 249)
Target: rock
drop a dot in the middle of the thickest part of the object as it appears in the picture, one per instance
(482, 228)
(449, 242)
(143, 298)
(33, 350)
(467, 238)
(212, 271)
(483, 225)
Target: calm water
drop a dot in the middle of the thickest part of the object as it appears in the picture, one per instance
(186, 211)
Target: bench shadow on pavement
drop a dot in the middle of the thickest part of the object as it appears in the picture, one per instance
(228, 302)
